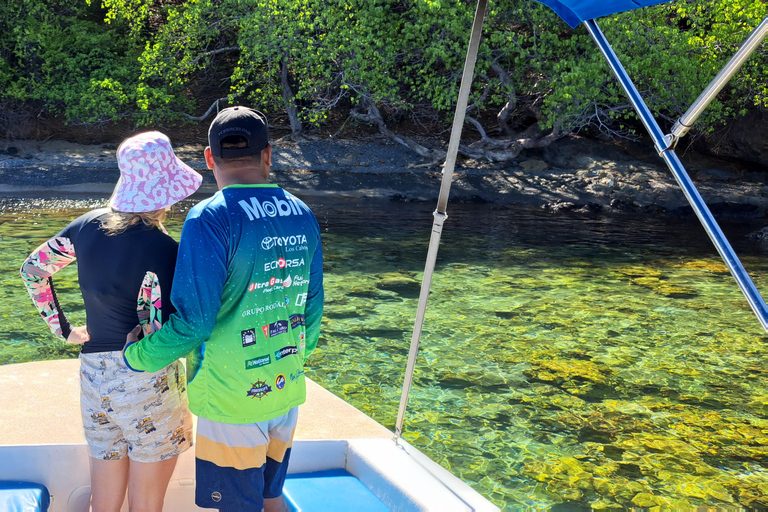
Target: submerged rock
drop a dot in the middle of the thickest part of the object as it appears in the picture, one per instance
(403, 284)
(717, 267)
(585, 379)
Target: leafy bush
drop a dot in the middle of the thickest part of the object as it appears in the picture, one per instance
(154, 61)
(61, 56)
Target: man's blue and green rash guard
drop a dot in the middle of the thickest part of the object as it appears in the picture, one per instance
(248, 291)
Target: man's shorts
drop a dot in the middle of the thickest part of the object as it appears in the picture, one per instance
(142, 415)
(238, 466)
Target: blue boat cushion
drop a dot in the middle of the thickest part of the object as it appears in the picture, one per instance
(23, 497)
(574, 12)
(333, 490)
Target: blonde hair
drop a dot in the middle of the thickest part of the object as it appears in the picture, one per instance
(117, 222)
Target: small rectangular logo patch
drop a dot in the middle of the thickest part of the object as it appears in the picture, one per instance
(286, 351)
(249, 337)
(275, 329)
(296, 321)
(257, 362)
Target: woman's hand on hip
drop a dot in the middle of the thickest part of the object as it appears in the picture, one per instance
(79, 335)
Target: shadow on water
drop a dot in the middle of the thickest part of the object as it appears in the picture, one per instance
(568, 361)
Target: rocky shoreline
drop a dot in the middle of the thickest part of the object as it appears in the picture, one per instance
(573, 174)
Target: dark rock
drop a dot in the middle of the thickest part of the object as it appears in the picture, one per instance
(561, 206)
(759, 235)
(745, 138)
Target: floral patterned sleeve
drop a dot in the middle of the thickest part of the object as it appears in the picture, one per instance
(37, 271)
(149, 305)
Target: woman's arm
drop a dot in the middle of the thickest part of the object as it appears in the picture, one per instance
(201, 270)
(37, 271)
(149, 304)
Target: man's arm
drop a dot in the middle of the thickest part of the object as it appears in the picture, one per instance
(201, 270)
(313, 311)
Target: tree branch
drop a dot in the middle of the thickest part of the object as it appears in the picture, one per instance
(483, 135)
(215, 105)
(213, 52)
(373, 116)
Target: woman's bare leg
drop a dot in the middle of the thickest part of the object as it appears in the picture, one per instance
(109, 480)
(148, 483)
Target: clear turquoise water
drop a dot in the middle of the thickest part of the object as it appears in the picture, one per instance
(568, 361)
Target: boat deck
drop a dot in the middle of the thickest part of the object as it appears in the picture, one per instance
(41, 405)
(342, 459)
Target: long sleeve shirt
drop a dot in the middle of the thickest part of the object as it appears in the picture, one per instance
(249, 297)
(120, 276)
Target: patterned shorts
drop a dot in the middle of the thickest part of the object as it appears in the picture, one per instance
(238, 466)
(142, 415)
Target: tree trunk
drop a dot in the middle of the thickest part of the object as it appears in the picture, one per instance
(504, 113)
(297, 131)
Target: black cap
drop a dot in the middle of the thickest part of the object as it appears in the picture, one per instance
(241, 121)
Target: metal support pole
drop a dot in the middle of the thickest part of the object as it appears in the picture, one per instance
(442, 202)
(687, 120)
(748, 288)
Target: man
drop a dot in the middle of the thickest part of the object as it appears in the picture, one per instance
(249, 297)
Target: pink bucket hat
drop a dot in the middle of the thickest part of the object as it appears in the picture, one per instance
(151, 176)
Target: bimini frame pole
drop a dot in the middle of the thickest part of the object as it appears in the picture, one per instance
(442, 202)
(685, 122)
(673, 162)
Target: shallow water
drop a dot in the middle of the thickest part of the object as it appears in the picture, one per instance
(567, 361)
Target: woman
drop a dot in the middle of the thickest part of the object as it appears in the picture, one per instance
(136, 424)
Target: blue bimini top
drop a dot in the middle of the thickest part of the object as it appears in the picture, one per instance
(574, 12)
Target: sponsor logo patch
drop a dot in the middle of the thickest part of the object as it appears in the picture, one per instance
(295, 375)
(296, 321)
(269, 307)
(269, 242)
(283, 263)
(280, 382)
(286, 351)
(275, 329)
(259, 389)
(249, 337)
(274, 284)
(257, 362)
(276, 207)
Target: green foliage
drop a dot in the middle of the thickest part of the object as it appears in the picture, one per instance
(152, 61)
(54, 54)
(691, 41)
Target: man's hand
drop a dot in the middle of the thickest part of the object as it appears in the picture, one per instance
(78, 335)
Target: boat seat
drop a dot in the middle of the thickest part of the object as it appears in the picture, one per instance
(334, 490)
(23, 497)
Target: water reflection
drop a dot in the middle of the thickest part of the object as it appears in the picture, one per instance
(567, 360)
